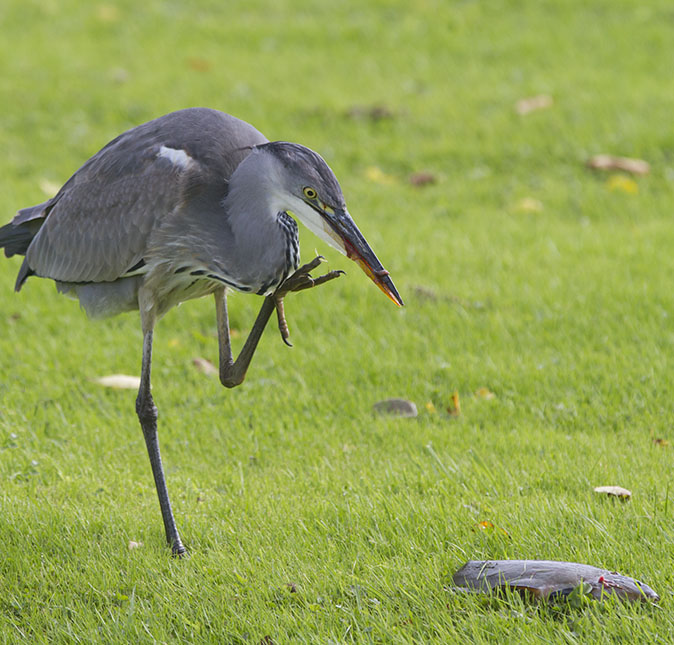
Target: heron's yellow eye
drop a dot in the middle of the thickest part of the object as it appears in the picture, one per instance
(310, 193)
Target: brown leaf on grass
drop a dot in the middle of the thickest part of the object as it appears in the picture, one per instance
(532, 103)
(529, 205)
(267, 640)
(626, 164)
(204, 366)
(659, 441)
(484, 393)
(396, 407)
(425, 293)
(370, 112)
(422, 178)
(119, 381)
(107, 13)
(455, 408)
(489, 527)
(199, 64)
(614, 491)
(291, 587)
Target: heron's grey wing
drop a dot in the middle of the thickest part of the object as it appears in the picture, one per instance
(97, 227)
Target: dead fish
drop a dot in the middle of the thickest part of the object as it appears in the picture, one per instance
(546, 578)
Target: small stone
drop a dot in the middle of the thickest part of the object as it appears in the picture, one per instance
(396, 407)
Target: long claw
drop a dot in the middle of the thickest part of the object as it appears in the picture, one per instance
(282, 323)
(331, 275)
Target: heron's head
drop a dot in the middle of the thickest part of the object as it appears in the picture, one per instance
(305, 186)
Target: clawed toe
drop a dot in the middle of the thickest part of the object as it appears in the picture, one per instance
(282, 324)
(299, 281)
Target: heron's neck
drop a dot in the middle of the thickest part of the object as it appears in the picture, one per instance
(253, 199)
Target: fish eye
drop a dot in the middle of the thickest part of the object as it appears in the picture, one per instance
(310, 193)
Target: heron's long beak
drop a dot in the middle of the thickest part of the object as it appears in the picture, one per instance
(357, 248)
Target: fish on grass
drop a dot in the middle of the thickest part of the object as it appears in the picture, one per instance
(548, 579)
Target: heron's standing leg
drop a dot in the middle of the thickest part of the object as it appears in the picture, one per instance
(147, 415)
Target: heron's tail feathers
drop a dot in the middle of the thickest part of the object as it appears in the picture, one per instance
(15, 238)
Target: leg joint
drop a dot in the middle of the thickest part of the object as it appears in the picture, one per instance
(146, 410)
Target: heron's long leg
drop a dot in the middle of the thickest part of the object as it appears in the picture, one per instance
(147, 415)
(232, 373)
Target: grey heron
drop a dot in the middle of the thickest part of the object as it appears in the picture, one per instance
(190, 204)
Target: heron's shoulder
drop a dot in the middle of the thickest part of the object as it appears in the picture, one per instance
(202, 140)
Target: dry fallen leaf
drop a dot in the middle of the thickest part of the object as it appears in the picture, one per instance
(378, 176)
(659, 441)
(488, 526)
(422, 178)
(484, 393)
(533, 103)
(199, 64)
(49, 187)
(397, 407)
(614, 491)
(425, 293)
(627, 164)
(204, 366)
(371, 112)
(430, 407)
(529, 205)
(107, 13)
(119, 381)
(455, 408)
(622, 184)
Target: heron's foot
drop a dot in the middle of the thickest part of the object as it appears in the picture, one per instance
(302, 279)
(178, 550)
(299, 281)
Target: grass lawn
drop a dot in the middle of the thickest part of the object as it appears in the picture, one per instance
(310, 519)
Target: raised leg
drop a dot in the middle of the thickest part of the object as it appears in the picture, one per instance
(147, 415)
(232, 373)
